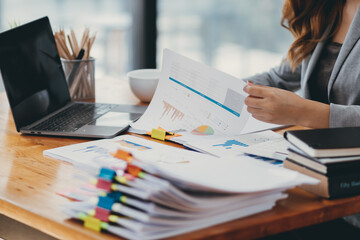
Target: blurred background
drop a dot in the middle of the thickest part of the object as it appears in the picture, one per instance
(238, 37)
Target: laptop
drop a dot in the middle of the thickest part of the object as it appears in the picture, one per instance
(38, 93)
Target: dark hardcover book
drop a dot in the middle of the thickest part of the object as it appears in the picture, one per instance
(329, 186)
(328, 165)
(327, 142)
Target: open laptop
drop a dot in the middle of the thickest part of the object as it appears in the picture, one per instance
(38, 93)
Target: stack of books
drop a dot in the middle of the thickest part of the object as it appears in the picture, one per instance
(329, 155)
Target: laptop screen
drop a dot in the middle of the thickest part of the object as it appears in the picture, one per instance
(32, 72)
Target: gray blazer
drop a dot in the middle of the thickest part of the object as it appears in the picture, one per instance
(344, 83)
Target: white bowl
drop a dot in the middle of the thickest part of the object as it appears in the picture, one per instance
(143, 83)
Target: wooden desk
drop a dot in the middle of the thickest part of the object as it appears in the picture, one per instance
(29, 182)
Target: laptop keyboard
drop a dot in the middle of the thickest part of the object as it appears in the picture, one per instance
(73, 117)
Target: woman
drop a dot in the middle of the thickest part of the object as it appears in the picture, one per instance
(324, 60)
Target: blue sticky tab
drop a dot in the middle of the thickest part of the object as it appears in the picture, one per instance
(106, 173)
(115, 195)
(106, 202)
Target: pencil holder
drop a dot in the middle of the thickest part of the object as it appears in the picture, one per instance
(80, 76)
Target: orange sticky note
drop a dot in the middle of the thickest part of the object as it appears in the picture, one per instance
(124, 155)
(133, 170)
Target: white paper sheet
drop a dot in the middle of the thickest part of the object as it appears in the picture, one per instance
(192, 169)
(199, 100)
(265, 144)
(233, 145)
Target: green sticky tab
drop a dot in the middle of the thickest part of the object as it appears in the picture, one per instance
(104, 225)
(82, 215)
(158, 134)
(141, 175)
(92, 223)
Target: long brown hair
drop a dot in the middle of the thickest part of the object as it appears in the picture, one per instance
(308, 20)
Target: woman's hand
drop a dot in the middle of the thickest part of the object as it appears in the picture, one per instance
(279, 106)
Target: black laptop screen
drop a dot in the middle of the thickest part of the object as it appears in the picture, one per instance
(32, 73)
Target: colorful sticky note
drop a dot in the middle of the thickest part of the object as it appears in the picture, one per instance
(103, 184)
(114, 195)
(102, 214)
(124, 155)
(133, 170)
(92, 223)
(106, 202)
(106, 173)
(158, 134)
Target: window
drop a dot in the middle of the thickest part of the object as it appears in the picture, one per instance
(239, 37)
(110, 19)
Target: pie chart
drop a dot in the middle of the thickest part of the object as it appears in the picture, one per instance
(203, 130)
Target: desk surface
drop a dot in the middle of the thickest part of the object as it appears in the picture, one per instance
(29, 182)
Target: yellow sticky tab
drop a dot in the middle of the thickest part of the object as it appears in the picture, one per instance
(91, 212)
(113, 218)
(113, 187)
(158, 134)
(92, 223)
(121, 180)
(93, 181)
(123, 199)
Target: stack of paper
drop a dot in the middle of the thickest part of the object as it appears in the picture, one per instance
(177, 191)
(154, 208)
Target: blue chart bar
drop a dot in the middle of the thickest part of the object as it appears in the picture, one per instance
(206, 97)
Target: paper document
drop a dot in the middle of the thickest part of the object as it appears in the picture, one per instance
(191, 169)
(197, 100)
(265, 144)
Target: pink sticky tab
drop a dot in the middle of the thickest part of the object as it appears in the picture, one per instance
(102, 214)
(103, 184)
(129, 177)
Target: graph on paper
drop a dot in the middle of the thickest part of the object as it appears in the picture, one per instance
(203, 130)
(195, 98)
(234, 145)
(133, 145)
(231, 98)
(228, 144)
(171, 111)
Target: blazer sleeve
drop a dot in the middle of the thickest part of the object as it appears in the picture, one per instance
(281, 76)
(344, 115)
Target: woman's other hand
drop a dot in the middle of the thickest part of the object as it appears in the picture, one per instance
(283, 107)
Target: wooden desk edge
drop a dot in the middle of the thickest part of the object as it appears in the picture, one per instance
(41, 223)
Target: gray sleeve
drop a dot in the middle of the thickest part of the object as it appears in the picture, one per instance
(344, 115)
(281, 76)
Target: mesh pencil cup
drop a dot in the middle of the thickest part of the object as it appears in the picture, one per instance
(80, 76)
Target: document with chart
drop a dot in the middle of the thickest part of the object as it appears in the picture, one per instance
(196, 100)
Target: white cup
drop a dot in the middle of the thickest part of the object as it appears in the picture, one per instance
(143, 83)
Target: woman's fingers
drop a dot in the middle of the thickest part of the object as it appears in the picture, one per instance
(254, 111)
(254, 102)
(256, 90)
